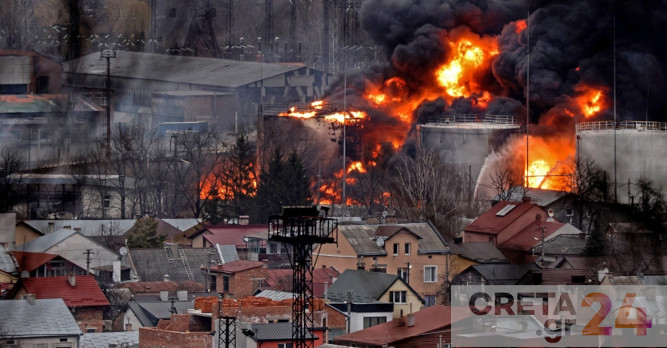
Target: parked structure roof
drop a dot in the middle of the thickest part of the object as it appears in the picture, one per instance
(44, 318)
(426, 320)
(362, 237)
(180, 69)
(86, 292)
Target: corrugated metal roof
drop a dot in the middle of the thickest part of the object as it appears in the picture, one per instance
(180, 69)
(153, 264)
(227, 253)
(45, 318)
(105, 339)
(275, 295)
(87, 227)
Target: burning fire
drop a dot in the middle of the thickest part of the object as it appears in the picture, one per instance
(213, 186)
(471, 55)
(520, 26)
(333, 117)
(590, 100)
(547, 157)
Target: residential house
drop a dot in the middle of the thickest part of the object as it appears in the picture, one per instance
(73, 246)
(276, 335)
(468, 254)
(34, 322)
(45, 265)
(106, 232)
(281, 279)
(502, 222)
(238, 278)
(415, 251)
(369, 287)
(429, 327)
(82, 295)
(520, 248)
(351, 317)
(228, 234)
(492, 274)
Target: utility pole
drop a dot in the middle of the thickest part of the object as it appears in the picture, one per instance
(87, 253)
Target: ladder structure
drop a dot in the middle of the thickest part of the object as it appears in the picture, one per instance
(170, 254)
(186, 264)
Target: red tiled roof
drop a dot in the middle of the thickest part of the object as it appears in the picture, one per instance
(85, 293)
(236, 266)
(231, 234)
(490, 223)
(525, 239)
(426, 320)
(29, 261)
(156, 287)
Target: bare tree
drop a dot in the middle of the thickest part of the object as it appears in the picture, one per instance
(424, 189)
(10, 163)
(508, 184)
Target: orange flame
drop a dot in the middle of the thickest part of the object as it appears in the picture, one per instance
(547, 156)
(590, 100)
(471, 55)
(520, 26)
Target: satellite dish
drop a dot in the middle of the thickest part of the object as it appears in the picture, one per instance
(123, 251)
(379, 242)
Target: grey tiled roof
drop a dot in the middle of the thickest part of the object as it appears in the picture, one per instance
(150, 312)
(46, 241)
(152, 264)
(482, 252)
(366, 286)
(275, 332)
(44, 318)
(227, 253)
(104, 339)
(362, 238)
(502, 274)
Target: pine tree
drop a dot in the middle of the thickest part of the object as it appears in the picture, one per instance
(144, 234)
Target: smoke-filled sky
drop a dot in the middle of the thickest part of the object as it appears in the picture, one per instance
(571, 44)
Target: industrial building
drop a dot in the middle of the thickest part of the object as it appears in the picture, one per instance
(627, 153)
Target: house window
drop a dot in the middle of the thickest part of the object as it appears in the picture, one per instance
(273, 248)
(214, 283)
(285, 345)
(429, 300)
(395, 249)
(106, 201)
(398, 296)
(407, 248)
(225, 284)
(403, 273)
(430, 274)
(372, 321)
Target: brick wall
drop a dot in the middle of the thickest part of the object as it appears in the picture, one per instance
(241, 284)
(337, 320)
(152, 337)
(90, 318)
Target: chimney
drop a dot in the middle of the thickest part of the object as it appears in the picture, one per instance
(30, 298)
(71, 279)
(128, 327)
(410, 320)
(164, 295)
(244, 220)
(51, 227)
(166, 278)
(182, 295)
(116, 271)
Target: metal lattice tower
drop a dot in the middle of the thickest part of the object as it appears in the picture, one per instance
(228, 6)
(201, 27)
(301, 228)
(226, 331)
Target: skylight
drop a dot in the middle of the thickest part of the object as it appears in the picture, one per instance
(506, 209)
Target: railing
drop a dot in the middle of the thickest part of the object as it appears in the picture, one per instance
(473, 118)
(633, 125)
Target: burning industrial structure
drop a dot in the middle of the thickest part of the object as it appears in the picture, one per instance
(546, 66)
